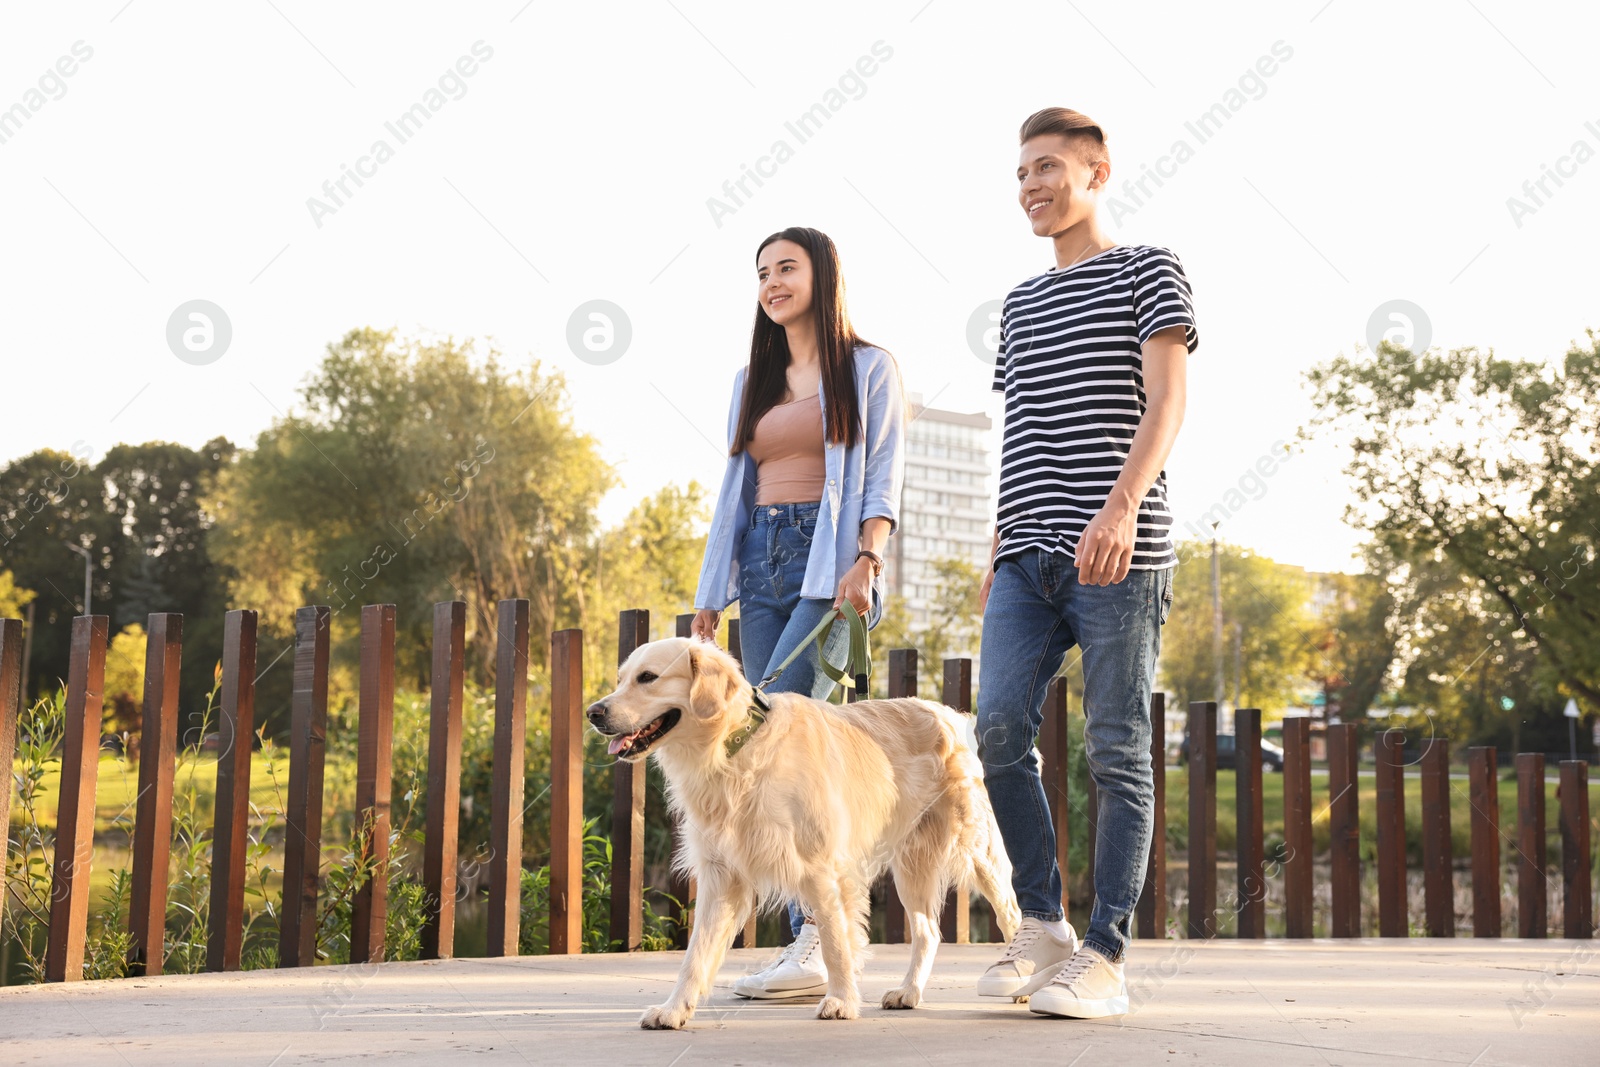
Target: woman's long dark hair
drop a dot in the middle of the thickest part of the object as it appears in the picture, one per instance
(766, 380)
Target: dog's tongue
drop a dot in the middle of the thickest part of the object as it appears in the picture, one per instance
(620, 742)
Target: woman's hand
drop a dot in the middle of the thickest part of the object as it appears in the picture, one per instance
(705, 624)
(856, 586)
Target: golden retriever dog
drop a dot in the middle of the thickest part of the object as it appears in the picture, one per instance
(812, 805)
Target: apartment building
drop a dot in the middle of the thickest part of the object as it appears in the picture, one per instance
(946, 509)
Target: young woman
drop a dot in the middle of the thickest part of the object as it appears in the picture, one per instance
(809, 497)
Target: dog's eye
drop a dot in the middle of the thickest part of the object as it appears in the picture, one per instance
(645, 678)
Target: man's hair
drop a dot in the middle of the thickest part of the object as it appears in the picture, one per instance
(1082, 133)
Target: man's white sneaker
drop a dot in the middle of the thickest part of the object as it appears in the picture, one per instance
(1029, 961)
(1088, 987)
(798, 972)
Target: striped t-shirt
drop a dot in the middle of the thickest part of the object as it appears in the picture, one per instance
(1070, 367)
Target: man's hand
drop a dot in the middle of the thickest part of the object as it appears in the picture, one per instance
(1106, 547)
(705, 625)
(983, 590)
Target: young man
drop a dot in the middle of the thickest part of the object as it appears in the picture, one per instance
(1092, 361)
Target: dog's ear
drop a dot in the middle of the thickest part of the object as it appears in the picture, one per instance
(713, 685)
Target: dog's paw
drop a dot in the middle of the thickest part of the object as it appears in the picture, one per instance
(664, 1017)
(903, 997)
(835, 1008)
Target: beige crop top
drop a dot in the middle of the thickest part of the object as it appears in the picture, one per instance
(787, 447)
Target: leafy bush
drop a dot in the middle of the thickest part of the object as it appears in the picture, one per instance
(349, 861)
(534, 933)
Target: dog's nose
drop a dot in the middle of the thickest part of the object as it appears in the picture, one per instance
(597, 712)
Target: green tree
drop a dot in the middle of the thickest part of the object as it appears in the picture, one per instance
(652, 561)
(48, 497)
(161, 559)
(1269, 602)
(1486, 469)
(894, 630)
(13, 598)
(415, 473)
(138, 513)
(1353, 645)
(123, 689)
(1466, 670)
(954, 627)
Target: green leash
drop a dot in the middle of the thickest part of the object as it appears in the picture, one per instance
(856, 674)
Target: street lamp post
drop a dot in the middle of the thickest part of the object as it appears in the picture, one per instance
(88, 575)
(1238, 664)
(1216, 615)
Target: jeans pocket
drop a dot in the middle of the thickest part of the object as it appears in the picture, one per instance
(1166, 594)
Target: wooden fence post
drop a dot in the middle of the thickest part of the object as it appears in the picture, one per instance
(1438, 883)
(1344, 829)
(152, 826)
(235, 729)
(1390, 759)
(308, 733)
(955, 924)
(1252, 904)
(1202, 920)
(11, 697)
(1054, 742)
(374, 776)
(1533, 906)
(1577, 905)
(80, 765)
(1296, 826)
(1484, 792)
(506, 786)
(627, 814)
(746, 938)
(566, 791)
(447, 684)
(1152, 907)
(902, 682)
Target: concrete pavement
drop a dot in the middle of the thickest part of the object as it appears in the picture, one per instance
(1275, 1002)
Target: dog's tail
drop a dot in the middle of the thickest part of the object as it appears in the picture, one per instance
(991, 870)
(984, 867)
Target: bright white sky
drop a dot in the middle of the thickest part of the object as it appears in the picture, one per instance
(1374, 164)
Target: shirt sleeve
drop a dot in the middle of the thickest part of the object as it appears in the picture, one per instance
(718, 570)
(1162, 298)
(999, 384)
(885, 436)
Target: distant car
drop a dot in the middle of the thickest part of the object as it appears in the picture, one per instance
(1271, 754)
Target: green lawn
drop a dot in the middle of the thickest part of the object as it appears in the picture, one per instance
(117, 790)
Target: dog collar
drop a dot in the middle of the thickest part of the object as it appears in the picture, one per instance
(740, 737)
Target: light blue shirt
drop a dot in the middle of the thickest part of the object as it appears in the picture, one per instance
(863, 482)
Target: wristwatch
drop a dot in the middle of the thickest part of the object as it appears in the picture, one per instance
(873, 558)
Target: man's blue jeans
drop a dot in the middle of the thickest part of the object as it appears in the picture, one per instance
(774, 617)
(1037, 610)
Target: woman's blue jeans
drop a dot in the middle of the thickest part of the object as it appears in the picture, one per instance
(1037, 610)
(774, 617)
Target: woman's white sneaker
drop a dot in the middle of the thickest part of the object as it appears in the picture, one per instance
(1030, 961)
(798, 972)
(1088, 987)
